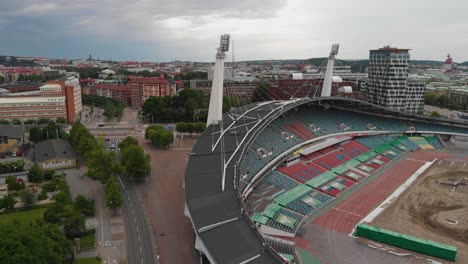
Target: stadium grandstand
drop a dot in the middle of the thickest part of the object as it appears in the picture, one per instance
(253, 178)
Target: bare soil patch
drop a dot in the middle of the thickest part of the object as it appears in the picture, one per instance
(432, 208)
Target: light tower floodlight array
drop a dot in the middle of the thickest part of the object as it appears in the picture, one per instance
(224, 43)
(334, 50)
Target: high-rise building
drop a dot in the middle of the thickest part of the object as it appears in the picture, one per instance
(388, 83)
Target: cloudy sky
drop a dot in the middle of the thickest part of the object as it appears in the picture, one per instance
(157, 30)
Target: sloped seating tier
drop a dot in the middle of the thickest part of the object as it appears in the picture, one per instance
(352, 175)
(280, 180)
(336, 186)
(321, 179)
(434, 142)
(366, 156)
(332, 159)
(301, 172)
(369, 142)
(421, 142)
(296, 172)
(286, 198)
(408, 143)
(352, 148)
(308, 203)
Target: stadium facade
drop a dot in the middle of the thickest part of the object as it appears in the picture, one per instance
(272, 143)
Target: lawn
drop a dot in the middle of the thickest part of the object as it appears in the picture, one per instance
(90, 260)
(87, 241)
(22, 216)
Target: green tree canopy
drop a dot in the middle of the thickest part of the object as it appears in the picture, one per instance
(35, 135)
(27, 197)
(128, 141)
(102, 164)
(74, 226)
(37, 242)
(135, 162)
(166, 138)
(113, 194)
(84, 205)
(8, 202)
(35, 174)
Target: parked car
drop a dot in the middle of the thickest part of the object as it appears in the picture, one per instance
(2, 156)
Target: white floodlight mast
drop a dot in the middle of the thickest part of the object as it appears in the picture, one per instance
(215, 111)
(327, 82)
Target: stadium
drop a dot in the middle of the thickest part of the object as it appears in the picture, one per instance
(290, 181)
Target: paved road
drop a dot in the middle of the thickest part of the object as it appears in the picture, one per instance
(139, 245)
(138, 236)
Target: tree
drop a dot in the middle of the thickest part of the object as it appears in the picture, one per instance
(181, 127)
(49, 175)
(154, 136)
(135, 162)
(191, 107)
(200, 127)
(128, 141)
(4, 121)
(84, 206)
(109, 110)
(113, 194)
(74, 226)
(443, 101)
(166, 138)
(56, 213)
(2, 79)
(49, 186)
(430, 99)
(102, 164)
(35, 134)
(35, 174)
(35, 242)
(30, 121)
(61, 120)
(43, 121)
(16, 121)
(435, 114)
(27, 197)
(8, 202)
(13, 184)
(61, 197)
(152, 128)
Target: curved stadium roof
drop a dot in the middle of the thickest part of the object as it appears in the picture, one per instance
(213, 203)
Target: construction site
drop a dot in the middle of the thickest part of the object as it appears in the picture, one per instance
(433, 208)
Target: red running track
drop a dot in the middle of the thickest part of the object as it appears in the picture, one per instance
(347, 214)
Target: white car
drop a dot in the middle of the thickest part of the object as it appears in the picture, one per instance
(112, 146)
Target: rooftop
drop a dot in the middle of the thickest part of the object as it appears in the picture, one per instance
(52, 149)
(11, 131)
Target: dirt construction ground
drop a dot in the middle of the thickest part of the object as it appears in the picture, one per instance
(432, 210)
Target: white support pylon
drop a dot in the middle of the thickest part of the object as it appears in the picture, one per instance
(328, 80)
(215, 111)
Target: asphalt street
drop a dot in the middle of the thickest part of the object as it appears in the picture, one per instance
(139, 245)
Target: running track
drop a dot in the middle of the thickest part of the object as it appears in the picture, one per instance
(347, 214)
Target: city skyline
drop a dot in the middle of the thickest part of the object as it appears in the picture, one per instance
(280, 29)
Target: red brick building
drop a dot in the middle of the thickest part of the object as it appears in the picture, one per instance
(118, 92)
(142, 88)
